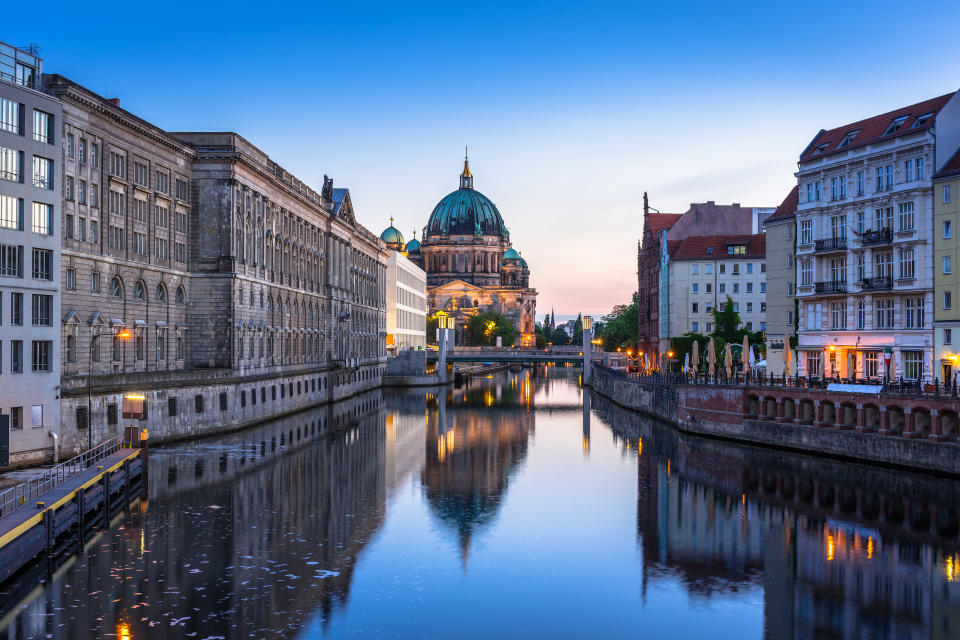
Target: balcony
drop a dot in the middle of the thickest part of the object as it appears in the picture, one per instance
(830, 287)
(880, 283)
(830, 244)
(871, 238)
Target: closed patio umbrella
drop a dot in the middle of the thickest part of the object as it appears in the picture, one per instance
(746, 355)
(728, 359)
(788, 361)
(695, 357)
(711, 358)
(686, 363)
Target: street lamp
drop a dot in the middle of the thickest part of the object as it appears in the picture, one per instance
(124, 334)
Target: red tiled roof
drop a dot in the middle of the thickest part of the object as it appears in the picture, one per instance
(658, 221)
(787, 208)
(696, 247)
(872, 129)
(951, 168)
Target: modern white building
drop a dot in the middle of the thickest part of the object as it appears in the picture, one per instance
(30, 202)
(406, 303)
(865, 243)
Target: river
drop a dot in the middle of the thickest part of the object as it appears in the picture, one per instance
(507, 508)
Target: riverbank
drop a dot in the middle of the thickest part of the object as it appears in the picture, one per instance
(719, 411)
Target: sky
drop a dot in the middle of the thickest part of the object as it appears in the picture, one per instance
(571, 110)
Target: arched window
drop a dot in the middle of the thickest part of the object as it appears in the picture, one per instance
(181, 295)
(161, 293)
(138, 290)
(95, 348)
(116, 288)
(71, 349)
(116, 348)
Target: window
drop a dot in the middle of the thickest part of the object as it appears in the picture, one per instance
(161, 248)
(117, 238)
(912, 364)
(71, 280)
(82, 192)
(913, 316)
(42, 264)
(181, 296)
(883, 265)
(82, 151)
(806, 232)
(909, 175)
(789, 261)
(93, 195)
(95, 282)
(69, 151)
(16, 356)
(694, 269)
(946, 193)
(41, 355)
(884, 313)
(180, 346)
(139, 243)
(895, 124)
(736, 287)
(82, 229)
(946, 229)
(181, 186)
(870, 361)
(861, 267)
(161, 344)
(947, 336)
(722, 287)
(42, 172)
(861, 179)
(116, 202)
(42, 221)
(880, 174)
(695, 308)
(198, 403)
(117, 161)
(749, 287)
(708, 269)
(10, 116)
(763, 307)
(736, 307)
(11, 164)
(68, 226)
(723, 268)
(838, 315)
(749, 267)
(806, 273)
(922, 120)
(116, 288)
(11, 260)
(947, 300)
(736, 250)
(161, 216)
(906, 216)
(42, 126)
(884, 217)
(138, 346)
(179, 252)
(139, 210)
(906, 263)
(71, 349)
(163, 182)
(16, 309)
(180, 222)
(861, 314)
(709, 287)
(138, 291)
(94, 154)
(140, 174)
(813, 363)
(694, 288)
(171, 407)
(161, 295)
(749, 307)
(946, 265)
(736, 268)
(790, 318)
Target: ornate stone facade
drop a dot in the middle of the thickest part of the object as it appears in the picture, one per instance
(470, 262)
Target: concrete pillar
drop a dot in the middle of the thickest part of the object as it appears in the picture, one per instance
(817, 414)
(587, 346)
(442, 357)
(861, 417)
(884, 421)
(781, 412)
(936, 427)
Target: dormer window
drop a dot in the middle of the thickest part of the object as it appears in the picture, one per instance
(895, 125)
(922, 121)
(820, 148)
(736, 249)
(847, 139)
(709, 250)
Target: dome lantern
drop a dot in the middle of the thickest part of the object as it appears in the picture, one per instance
(466, 178)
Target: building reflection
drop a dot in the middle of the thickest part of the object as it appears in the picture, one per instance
(476, 439)
(230, 543)
(839, 550)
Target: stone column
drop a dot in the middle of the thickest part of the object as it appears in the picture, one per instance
(884, 421)
(861, 418)
(908, 424)
(817, 413)
(936, 426)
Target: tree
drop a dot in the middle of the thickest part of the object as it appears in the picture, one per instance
(578, 330)
(483, 329)
(433, 323)
(540, 337)
(619, 327)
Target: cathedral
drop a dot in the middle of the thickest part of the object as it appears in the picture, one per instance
(470, 263)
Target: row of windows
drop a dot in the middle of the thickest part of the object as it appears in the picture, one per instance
(836, 227)
(708, 327)
(41, 307)
(11, 168)
(912, 314)
(36, 417)
(41, 352)
(117, 346)
(722, 287)
(912, 362)
(882, 268)
(913, 169)
(117, 288)
(749, 267)
(11, 215)
(12, 116)
(141, 172)
(11, 262)
(708, 308)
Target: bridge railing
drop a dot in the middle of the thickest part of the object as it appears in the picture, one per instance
(898, 387)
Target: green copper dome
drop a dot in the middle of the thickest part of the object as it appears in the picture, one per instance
(466, 212)
(392, 236)
(511, 254)
(413, 246)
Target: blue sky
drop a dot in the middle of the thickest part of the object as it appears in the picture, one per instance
(571, 110)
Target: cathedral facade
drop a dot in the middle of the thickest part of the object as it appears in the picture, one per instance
(471, 265)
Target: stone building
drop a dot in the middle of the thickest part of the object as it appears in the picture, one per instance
(864, 242)
(780, 229)
(30, 218)
(649, 260)
(471, 264)
(248, 294)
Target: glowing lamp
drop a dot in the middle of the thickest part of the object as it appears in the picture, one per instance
(669, 354)
(833, 348)
(124, 334)
(587, 321)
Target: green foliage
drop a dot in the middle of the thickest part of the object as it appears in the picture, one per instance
(541, 339)
(483, 329)
(727, 329)
(578, 330)
(619, 327)
(433, 323)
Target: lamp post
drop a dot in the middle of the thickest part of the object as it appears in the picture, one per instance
(124, 334)
(587, 325)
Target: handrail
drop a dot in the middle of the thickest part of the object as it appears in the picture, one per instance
(19, 495)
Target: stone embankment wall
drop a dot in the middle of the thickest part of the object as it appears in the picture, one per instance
(725, 412)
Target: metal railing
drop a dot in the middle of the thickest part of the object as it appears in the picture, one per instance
(830, 244)
(878, 283)
(869, 238)
(26, 492)
(830, 287)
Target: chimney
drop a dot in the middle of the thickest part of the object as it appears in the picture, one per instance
(736, 204)
(114, 101)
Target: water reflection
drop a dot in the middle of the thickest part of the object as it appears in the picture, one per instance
(840, 550)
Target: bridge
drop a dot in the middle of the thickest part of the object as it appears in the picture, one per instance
(509, 355)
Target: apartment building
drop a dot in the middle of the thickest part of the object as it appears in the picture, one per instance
(780, 229)
(946, 249)
(30, 221)
(865, 251)
(706, 270)
(406, 303)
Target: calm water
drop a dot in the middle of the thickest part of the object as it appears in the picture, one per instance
(505, 510)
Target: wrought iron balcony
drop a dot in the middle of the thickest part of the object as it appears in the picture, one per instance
(830, 244)
(870, 238)
(830, 287)
(880, 283)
